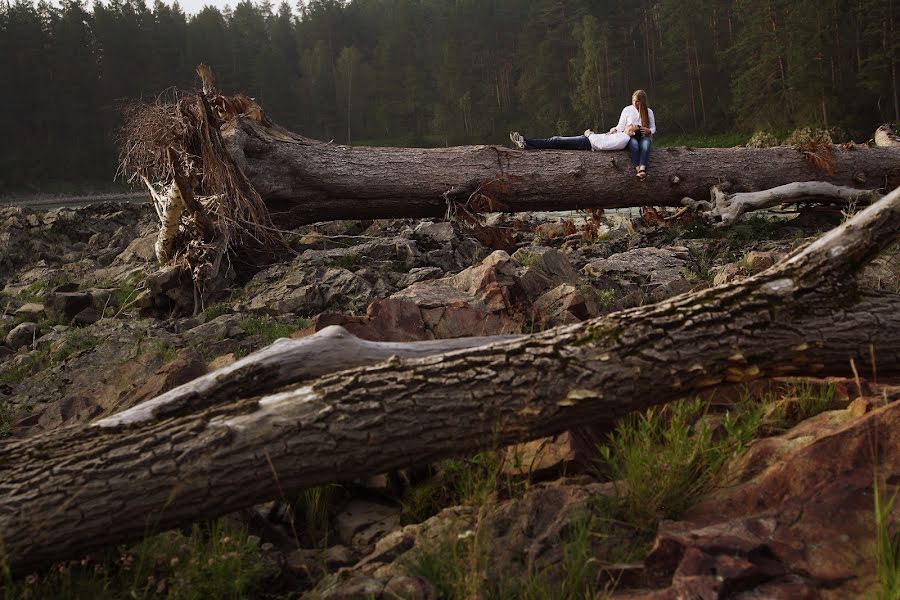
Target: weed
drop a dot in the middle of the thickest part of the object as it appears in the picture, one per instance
(887, 545)
(217, 560)
(8, 415)
(469, 481)
(348, 261)
(165, 352)
(667, 457)
(527, 259)
(315, 507)
(217, 310)
(606, 298)
(270, 330)
(76, 341)
(796, 403)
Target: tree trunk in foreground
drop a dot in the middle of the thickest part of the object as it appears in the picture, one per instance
(303, 180)
(218, 445)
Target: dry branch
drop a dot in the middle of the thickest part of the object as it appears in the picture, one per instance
(726, 208)
(72, 490)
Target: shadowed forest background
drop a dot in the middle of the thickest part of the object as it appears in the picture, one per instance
(441, 72)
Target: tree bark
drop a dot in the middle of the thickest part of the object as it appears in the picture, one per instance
(211, 452)
(303, 180)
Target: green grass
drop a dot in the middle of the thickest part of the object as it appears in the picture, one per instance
(8, 416)
(666, 458)
(270, 330)
(461, 566)
(527, 259)
(795, 403)
(165, 352)
(215, 560)
(76, 341)
(350, 262)
(887, 545)
(471, 481)
(314, 508)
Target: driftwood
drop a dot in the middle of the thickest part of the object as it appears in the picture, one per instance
(211, 449)
(726, 208)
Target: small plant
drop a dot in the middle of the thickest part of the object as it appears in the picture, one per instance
(887, 545)
(8, 416)
(527, 259)
(668, 457)
(217, 310)
(270, 330)
(606, 298)
(217, 560)
(314, 507)
(347, 261)
(796, 403)
(165, 352)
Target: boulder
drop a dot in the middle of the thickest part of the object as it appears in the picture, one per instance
(643, 274)
(63, 306)
(542, 269)
(22, 334)
(562, 305)
(31, 309)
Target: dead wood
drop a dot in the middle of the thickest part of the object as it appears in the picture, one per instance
(66, 492)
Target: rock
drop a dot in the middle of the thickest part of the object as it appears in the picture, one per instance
(360, 524)
(420, 274)
(31, 309)
(796, 518)
(186, 366)
(388, 320)
(357, 588)
(437, 232)
(758, 261)
(140, 250)
(544, 458)
(63, 306)
(338, 556)
(88, 316)
(562, 305)
(22, 334)
(404, 587)
(642, 275)
(544, 268)
(728, 273)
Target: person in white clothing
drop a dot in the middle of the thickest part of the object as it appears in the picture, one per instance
(641, 116)
(614, 140)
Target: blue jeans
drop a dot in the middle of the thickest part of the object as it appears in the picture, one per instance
(575, 142)
(639, 147)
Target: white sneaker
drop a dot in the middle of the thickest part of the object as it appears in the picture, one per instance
(517, 139)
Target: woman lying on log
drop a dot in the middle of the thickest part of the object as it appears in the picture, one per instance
(614, 140)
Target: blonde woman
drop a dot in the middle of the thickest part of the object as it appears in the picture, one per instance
(641, 116)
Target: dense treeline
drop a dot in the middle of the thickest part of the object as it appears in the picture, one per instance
(435, 72)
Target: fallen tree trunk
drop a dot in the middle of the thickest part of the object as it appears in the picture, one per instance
(72, 490)
(303, 181)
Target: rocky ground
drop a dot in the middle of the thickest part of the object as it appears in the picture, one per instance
(788, 511)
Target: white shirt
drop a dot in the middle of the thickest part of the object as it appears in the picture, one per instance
(609, 141)
(631, 116)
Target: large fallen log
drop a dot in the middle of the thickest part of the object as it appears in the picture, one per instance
(211, 448)
(303, 180)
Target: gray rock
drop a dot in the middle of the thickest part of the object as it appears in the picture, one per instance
(88, 316)
(362, 523)
(31, 309)
(63, 306)
(22, 334)
(420, 274)
(437, 232)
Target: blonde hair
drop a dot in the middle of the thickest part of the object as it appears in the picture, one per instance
(641, 96)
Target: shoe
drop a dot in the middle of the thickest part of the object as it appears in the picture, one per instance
(641, 173)
(517, 139)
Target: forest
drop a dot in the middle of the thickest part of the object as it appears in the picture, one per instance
(438, 72)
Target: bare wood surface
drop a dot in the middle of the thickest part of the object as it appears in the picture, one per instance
(303, 180)
(726, 208)
(68, 491)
